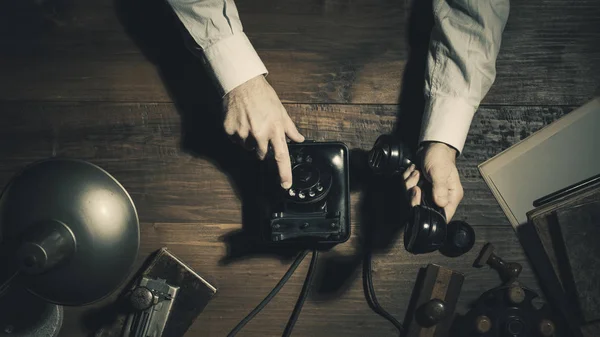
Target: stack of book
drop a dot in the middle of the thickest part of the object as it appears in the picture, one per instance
(548, 185)
(568, 228)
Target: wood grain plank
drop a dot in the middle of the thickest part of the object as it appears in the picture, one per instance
(243, 284)
(141, 144)
(185, 202)
(316, 51)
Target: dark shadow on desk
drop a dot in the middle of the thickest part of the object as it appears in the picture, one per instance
(161, 37)
(383, 208)
(158, 34)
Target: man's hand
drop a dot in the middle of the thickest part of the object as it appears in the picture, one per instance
(439, 165)
(254, 113)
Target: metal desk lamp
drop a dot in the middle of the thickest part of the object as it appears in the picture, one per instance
(69, 235)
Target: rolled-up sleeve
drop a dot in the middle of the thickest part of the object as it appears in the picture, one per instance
(216, 28)
(461, 66)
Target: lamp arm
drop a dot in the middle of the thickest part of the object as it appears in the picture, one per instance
(5, 284)
(46, 245)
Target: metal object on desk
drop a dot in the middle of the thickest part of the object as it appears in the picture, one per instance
(152, 300)
(70, 229)
(167, 294)
(508, 310)
(509, 271)
(434, 300)
(511, 310)
(69, 235)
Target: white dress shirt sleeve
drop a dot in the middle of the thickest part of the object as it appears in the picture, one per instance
(461, 65)
(216, 28)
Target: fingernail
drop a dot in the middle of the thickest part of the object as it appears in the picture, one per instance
(412, 166)
(286, 185)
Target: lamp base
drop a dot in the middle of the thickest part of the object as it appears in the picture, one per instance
(24, 315)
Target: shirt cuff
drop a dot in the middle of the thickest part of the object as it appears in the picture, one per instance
(233, 61)
(447, 120)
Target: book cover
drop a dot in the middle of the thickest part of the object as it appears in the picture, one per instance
(543, 241)
(194, 291)
(560, 154)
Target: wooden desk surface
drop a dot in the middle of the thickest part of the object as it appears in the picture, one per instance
(110, 82)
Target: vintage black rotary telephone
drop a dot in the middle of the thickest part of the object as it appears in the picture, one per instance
(316, 209)
(313, 214)
(426, 230)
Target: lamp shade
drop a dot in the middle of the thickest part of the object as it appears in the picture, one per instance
(72, 230)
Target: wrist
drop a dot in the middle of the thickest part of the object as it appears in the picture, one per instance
(438, 147)
(249, 85)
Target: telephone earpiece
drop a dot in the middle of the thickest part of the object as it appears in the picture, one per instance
(426, 230)
(389, 156)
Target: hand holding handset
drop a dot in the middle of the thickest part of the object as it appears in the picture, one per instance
(426, 230)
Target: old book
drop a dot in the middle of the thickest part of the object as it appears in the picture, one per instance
(194, 291)
(569, 230)
(580, 233)
(560, 154)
